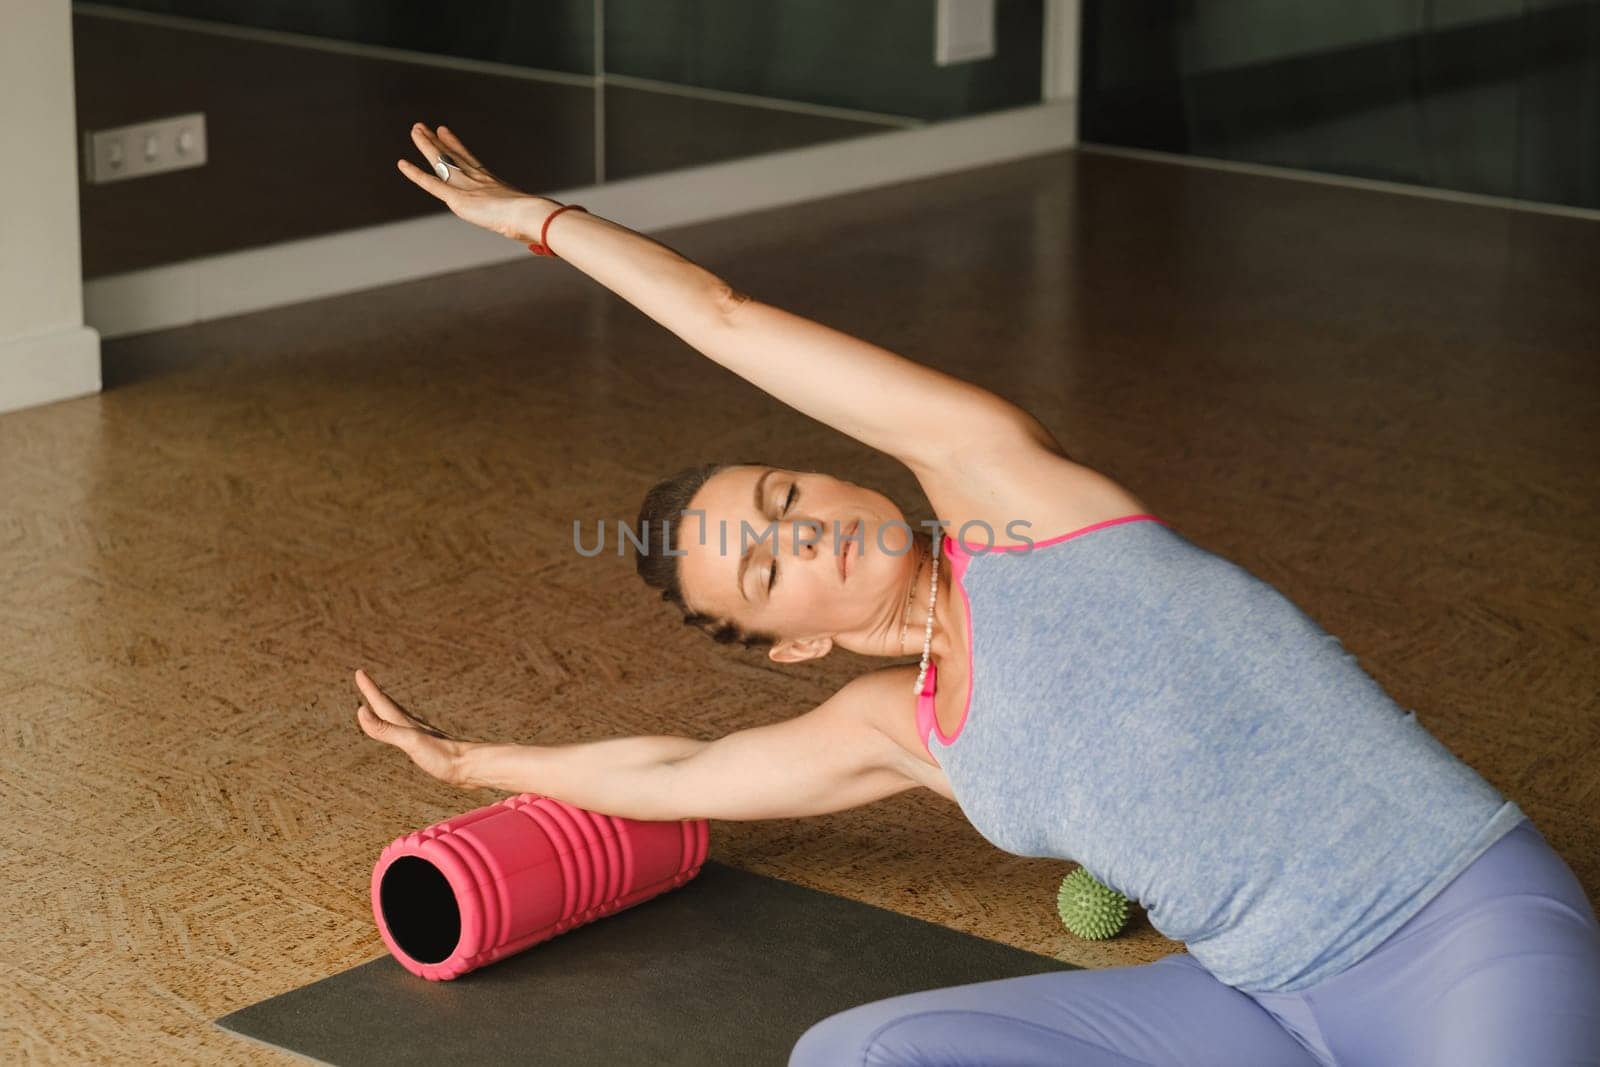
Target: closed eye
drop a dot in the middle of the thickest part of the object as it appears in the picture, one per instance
(788, 502)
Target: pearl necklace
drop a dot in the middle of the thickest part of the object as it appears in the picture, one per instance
(927, 633)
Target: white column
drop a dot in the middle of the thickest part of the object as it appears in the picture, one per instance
(46, 352)
(1061, 48)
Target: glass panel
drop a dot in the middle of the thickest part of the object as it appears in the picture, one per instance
(699, 81)
(1486, 96)
(309, 103)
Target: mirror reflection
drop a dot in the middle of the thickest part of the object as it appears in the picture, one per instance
(308, 105)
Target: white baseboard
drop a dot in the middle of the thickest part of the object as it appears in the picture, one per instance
(43, 368)
(234, 283)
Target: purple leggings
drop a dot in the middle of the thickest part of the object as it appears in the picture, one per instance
(1502, 968)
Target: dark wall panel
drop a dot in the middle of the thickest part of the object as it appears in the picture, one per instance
(1486, 96)
(877, 57)
(843, 53)
(548, 34)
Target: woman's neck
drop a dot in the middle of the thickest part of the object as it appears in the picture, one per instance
(943, 643)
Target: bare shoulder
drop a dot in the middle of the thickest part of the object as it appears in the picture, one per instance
(1023, 484)
(884, 701)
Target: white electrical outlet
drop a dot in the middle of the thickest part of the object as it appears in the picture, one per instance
(145, 148)
(963, 31)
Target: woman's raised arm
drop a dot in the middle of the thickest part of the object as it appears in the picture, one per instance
(913, 412)
(907, 410)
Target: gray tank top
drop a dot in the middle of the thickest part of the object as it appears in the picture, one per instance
(1195, 741)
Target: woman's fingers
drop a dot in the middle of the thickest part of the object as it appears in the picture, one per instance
(387, 710)
(437, 757)
(430, 148)
(455, 149)
(381, 705)
(434, 146)
(426, 179)
(472, 192)
(383, 730)
(445, 142)
(424, 140)
(401, 735)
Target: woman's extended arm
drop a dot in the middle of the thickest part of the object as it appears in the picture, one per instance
(905, 409)
(910, 411)
(620, 776)
(833, 757)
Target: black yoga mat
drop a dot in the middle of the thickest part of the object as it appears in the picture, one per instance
(729, 969)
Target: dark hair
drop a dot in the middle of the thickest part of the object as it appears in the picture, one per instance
(657, 530)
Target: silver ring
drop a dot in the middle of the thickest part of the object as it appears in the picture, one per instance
(442, 167)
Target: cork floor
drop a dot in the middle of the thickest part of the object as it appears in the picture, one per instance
(1387, 406)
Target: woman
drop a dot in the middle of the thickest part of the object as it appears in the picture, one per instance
(1091, 687)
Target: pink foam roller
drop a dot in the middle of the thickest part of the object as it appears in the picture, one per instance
(482, 886)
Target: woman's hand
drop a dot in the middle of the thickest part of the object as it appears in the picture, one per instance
(429, 747)
(472, 192)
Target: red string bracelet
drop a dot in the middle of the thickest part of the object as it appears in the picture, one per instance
(541, 247)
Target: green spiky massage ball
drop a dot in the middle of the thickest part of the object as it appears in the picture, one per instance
(1089, 909)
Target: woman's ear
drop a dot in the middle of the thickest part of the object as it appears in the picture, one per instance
(789, 651)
